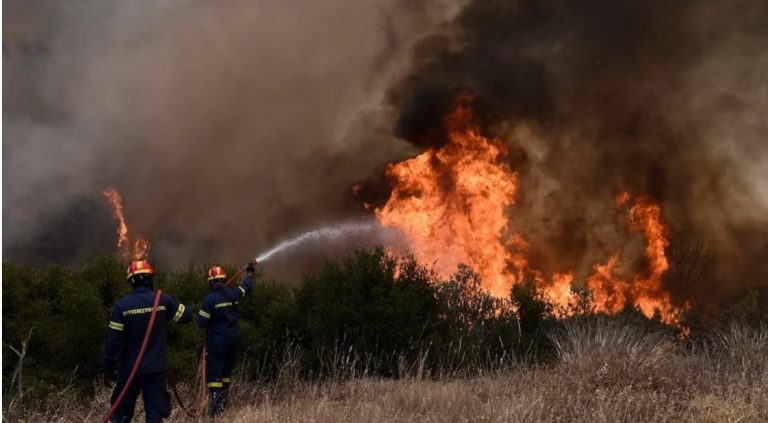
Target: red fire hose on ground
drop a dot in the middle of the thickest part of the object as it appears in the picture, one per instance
(203, 392)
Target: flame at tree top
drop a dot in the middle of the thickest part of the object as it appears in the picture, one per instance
(140, 248)
(116, 201)
(453, 203)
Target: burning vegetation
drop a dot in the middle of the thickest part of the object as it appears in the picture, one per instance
(136, 249)
(454, 203)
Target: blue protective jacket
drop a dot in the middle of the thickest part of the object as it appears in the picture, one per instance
(128, 324)
(219, 313)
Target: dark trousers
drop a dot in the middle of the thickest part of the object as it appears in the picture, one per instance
(219, 364)
(153, 387)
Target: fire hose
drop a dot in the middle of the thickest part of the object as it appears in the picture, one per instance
(192, 412)
(202, 393)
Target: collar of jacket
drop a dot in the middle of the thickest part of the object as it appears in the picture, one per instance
(142, 288)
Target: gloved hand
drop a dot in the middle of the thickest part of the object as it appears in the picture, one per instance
(108, 378)
(251, 266)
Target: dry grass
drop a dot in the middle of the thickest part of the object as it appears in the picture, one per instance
(607, 372)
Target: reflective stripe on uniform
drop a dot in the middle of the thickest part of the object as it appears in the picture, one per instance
(179, 313)
(204, 314)
(215, 384)
(242, 290)
(220, 305)
(226, 380)
(142, 310)
(116, 326)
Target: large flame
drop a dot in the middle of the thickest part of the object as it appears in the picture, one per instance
(137, 250)
(453, 203)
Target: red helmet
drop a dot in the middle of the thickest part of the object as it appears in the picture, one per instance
(216, 272)
(139, 267)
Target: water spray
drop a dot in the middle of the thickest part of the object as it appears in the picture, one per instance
(330, 231)
(334, 231)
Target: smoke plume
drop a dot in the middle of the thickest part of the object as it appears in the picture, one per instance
(228, 126)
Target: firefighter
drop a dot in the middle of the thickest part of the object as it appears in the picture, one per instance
(219, 315)
(127, 327)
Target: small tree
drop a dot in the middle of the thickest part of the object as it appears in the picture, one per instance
(466, 306)
(480, 329)
(689, 260)
(535, 315)
(582, 302)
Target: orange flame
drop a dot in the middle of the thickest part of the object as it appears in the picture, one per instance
(558, 290)
(650, 295)
(609, 292)
(140, 248)
(452, 203)
(116, 201)
(646, 291)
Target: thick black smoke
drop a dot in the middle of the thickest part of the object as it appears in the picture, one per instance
(666, 99)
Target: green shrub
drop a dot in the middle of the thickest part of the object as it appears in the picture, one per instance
(265, 325)
(364, 312)
(69, 321)
(536, 319)
(479, 330)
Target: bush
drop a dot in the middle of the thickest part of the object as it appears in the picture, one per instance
(62, 308)
(605, 351)
(364, 313)
(266, 328)
(479, 329)
(536, 320)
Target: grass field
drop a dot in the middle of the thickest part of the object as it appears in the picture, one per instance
(606, 371)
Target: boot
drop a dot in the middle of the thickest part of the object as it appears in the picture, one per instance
(224, 397)
(217, 402)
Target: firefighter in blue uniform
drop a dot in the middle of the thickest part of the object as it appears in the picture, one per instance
(127, 326)
(219, 315)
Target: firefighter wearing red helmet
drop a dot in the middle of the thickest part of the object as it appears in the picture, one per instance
(219, 315)
(127, 326)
